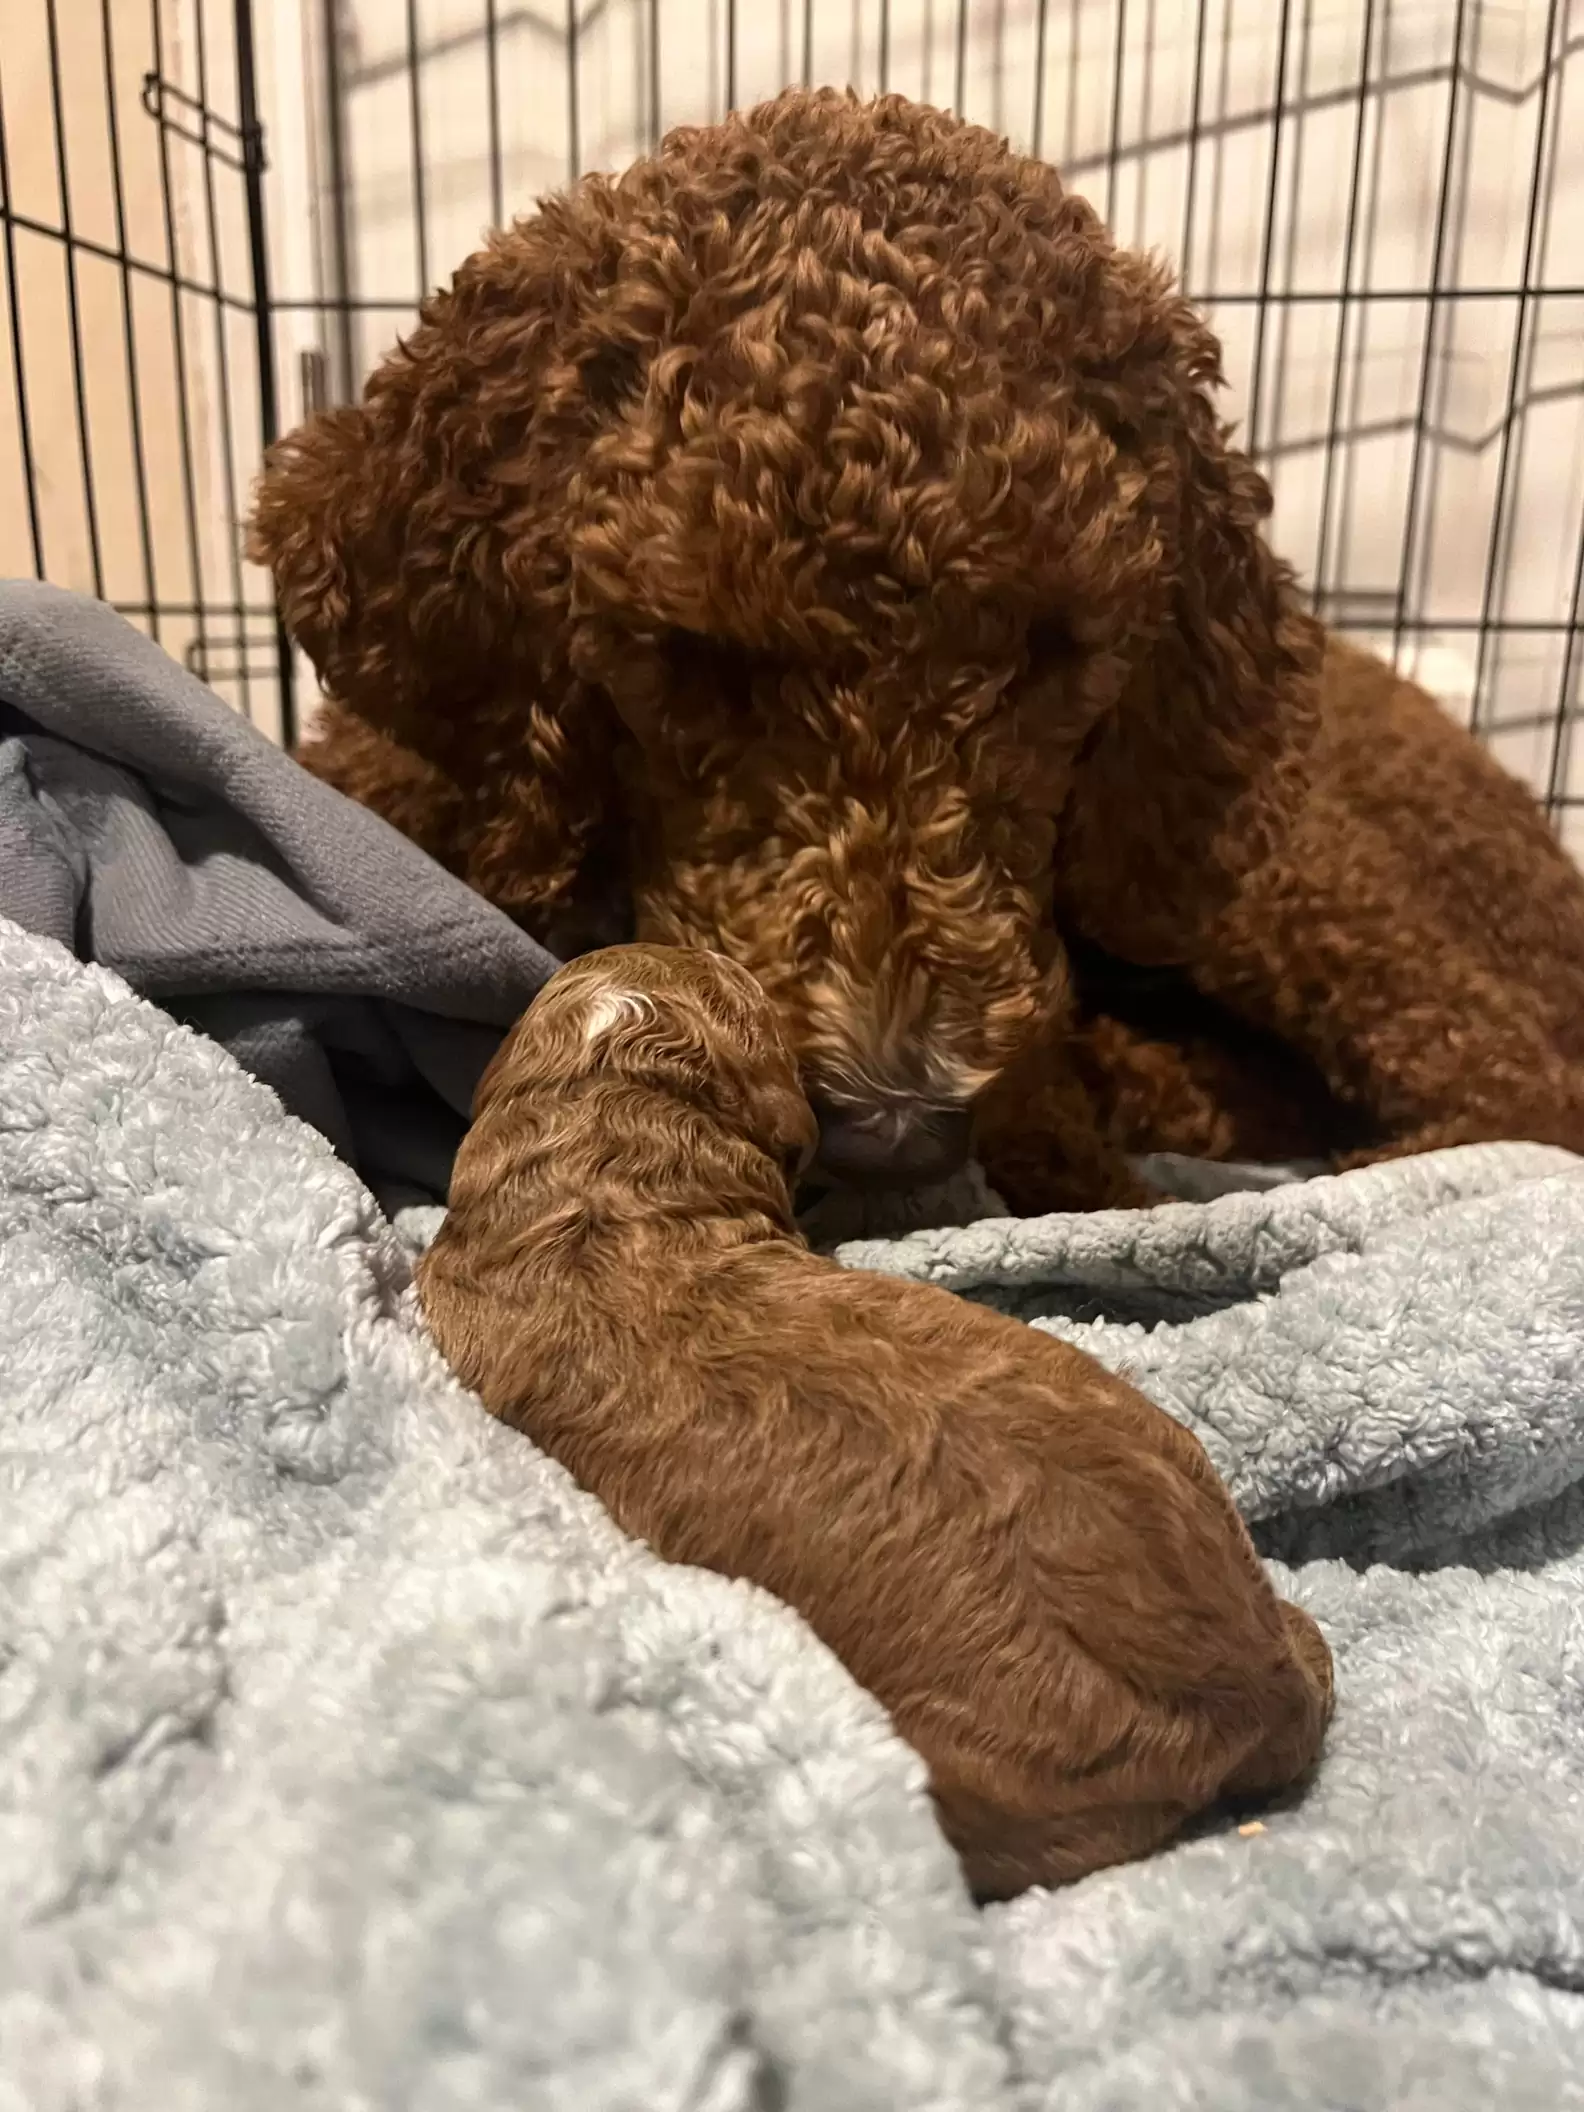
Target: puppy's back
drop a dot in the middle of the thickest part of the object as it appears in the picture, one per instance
(1033, 1568)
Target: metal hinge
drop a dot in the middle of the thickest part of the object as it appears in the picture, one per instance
(174, 110)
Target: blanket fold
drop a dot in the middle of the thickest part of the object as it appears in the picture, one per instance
(146, 826)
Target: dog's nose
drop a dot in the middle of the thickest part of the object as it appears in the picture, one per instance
(897, 1145)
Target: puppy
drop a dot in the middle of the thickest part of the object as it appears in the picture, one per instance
(1035, 1570)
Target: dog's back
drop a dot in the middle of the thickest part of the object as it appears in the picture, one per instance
(1033, 1568)
(1420, 935)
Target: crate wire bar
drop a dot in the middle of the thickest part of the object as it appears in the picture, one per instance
(216, 217)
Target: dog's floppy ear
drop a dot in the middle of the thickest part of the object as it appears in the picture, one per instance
(322, 525)
(1197, 770)
(424, 584)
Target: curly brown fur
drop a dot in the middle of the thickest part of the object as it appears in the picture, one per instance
(1420, 933)
(1419, 938)
(1034, 1569)
(829, 510)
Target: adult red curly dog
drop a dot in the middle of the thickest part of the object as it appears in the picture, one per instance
(820, 543)
(1030, 1565)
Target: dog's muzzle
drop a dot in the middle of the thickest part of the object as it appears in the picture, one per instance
(902, 1144)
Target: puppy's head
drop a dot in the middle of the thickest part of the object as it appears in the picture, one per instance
(686, 1025)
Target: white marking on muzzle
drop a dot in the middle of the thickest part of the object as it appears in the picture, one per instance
(867, 1062)
(858, 1082)
(954, 1084)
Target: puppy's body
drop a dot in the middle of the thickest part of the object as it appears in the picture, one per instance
(1033, 1568)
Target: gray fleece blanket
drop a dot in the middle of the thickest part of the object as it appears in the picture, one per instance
(350, 1757)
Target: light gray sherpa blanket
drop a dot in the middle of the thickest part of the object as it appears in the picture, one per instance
(350, 1758)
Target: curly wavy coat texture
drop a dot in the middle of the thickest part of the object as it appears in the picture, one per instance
(819, 543)
(1056, 1602)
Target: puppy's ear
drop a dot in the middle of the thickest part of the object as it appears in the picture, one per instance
(542, 1041)
(322, 524)
(417, 562)
(1199, 767)
(785, 1125)
(496, 1076)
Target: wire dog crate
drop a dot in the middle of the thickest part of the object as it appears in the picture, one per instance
(215, 217)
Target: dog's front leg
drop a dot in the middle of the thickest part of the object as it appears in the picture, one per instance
(1041, 1141)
